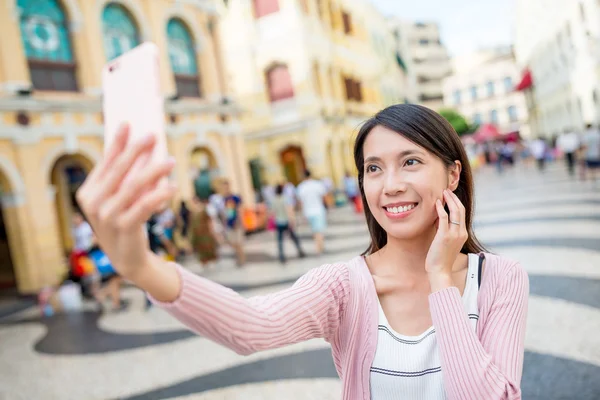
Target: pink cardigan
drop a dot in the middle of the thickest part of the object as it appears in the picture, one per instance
(338, 302)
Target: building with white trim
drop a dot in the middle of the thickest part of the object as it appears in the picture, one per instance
(558, 43)
(482, 88)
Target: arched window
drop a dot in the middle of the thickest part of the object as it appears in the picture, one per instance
(119, 29)
(45, 34)
(279, 83)
(183, 59)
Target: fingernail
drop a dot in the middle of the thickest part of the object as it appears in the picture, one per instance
(171, 161)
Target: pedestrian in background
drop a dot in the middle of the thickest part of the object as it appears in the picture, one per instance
(82, 233)
(539, 150)
(568, 144)
(159, 243)
(202, 235)
(184, 218)
(234, 228)
(285, 221)
(352, 192)
(289, 192)
(328, 199)
(167, 220)
(591, 151)
(311, 193)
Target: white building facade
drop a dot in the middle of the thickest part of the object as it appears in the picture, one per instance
(426, 58)
(558, 41)
(482, 88)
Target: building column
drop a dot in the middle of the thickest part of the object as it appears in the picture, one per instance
(218, 54)
(155, 13)
(22, 251)
(208, 63)
(238, 170)
(243, 169)
(337, 162)
(13, 62)
(89, 48)
(45, 253)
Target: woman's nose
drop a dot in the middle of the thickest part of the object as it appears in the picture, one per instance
(394, 183)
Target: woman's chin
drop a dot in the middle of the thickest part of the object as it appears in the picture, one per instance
(409, 232)
(403, 234)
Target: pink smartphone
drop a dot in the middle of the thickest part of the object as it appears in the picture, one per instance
(131, 85)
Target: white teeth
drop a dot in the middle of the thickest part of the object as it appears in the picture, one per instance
(396, 210)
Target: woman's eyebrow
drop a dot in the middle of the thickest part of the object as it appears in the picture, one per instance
(400, 155)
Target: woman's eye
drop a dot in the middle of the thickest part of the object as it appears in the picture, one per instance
(372, 168)
(411, 162)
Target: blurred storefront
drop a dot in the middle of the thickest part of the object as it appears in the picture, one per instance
(51, 132)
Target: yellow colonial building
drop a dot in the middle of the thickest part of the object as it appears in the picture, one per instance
(51, 55)
(307, 73)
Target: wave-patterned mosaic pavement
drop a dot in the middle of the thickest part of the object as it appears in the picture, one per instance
(549, 223)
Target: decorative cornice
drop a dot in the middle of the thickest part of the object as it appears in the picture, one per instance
(282, 129)
(87, 104)
(203, 5)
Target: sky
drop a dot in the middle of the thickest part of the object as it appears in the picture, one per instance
(466, 25)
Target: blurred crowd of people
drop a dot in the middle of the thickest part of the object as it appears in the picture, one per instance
(580, 150)
(201, 226)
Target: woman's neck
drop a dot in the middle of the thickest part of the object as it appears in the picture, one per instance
(404, 257)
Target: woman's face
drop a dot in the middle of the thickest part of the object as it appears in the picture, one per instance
(402, 182)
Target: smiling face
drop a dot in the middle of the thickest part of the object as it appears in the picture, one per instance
(402, 181)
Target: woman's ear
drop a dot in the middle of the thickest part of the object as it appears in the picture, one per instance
(454, 175)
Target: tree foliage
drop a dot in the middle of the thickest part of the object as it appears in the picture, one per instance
(458, 122)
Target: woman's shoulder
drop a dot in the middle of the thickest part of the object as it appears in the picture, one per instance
(338, 267)
(500, 271)
(501, 264)
(349, 271)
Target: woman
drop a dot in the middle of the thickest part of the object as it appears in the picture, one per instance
(202, 234)
(184, 218)
(283, 213)
(418, 316)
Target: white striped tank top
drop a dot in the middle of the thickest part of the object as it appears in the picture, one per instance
(409, 367)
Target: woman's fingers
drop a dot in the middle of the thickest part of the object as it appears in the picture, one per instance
(116, 148)
(453, 207)
(461, 206)
(127, 194)
(142, 210)
(118, 171)
(457, 214)
(442, 216)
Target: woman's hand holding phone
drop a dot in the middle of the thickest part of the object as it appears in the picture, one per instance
(447, 243)
(118, 199)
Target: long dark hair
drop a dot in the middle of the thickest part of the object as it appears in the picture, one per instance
(432, 132)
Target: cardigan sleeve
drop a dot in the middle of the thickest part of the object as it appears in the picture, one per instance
(311, 308)
(489, 367)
